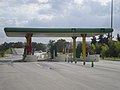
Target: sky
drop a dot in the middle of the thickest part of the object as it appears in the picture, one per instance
(56, 13)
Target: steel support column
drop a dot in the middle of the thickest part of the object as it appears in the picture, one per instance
(84, 47)
(74, 48)
(29, 44)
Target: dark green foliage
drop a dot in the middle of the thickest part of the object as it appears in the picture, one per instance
(79, 50)
(93, 40)
(39, 46)
(51, 43)
(97, 48)
(2, 54)
(18, 45)
(52, 48)
(79, 47)
(61, 44)
(118, 37)
(55, 47)
(114, 49)
(91, 49)
(100, 39)
(5, 46)
(103, 39)
(78, 53)
(107, 48)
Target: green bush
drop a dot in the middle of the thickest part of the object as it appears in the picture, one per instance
(2, 54)
(8, 51)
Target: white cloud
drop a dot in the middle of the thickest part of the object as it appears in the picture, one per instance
(58, 13)
(43, 1)
(78, 1)
(103, 2)
(6, 21)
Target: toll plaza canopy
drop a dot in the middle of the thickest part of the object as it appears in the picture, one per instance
(55, 32)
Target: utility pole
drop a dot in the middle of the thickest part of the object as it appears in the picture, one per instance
(111, 13)
(111, 19)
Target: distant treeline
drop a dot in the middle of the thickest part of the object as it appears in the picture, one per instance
(102, 45)
(5, 46)
(105, 47)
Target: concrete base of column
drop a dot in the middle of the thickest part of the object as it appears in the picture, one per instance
(30, 58)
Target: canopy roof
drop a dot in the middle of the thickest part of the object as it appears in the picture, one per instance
(55, 32)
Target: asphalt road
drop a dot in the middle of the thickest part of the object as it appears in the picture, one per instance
(59, 76)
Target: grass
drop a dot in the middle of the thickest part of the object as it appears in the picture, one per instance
(8, 51)
(2, 53)
(0, 56)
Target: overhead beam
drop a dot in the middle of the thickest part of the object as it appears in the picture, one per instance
(55, 32)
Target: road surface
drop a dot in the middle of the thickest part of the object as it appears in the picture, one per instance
(59, 76)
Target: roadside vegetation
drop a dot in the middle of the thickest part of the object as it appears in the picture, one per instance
(5, 48)
(8, 51)
(108, 49)
(5, 52)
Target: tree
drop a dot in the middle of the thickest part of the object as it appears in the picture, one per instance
(79, 47)
(91, 49)
(117, 48)
(3, 48)
(93, 40)
(100, 39)
(98, 48)
(118, 37)
(18, 45)
(106, 40)
(51, 43)
(51, 48)
(109, 36)
(112, 51)
(61, 44)
(103, 39)
(79, 50)
(39, 46)
(104, 50)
